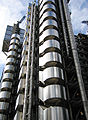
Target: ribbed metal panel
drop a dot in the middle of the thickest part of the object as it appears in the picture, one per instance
(47, 7)
(53, 113)
(51, 73)
(10, 61)
(7, 76)
(6, 85)
(9, 68)
(48, 23)
(13, 47)
(52, 92)
(5, 95)
(12, 54)
(46, 1)
(50, 57)
(49, 33)
(48, 15)
(49, 44)
(14, 41)
(15, 36)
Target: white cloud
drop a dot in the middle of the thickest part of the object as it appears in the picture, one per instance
(79, 13)
(10, 12)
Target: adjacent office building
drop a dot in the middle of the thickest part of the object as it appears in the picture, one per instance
(45, 77)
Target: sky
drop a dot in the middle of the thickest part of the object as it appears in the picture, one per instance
(12, 10)
(79, 10)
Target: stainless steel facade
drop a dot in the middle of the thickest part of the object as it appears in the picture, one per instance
(36, 83)
(8, 77)
(50, 63)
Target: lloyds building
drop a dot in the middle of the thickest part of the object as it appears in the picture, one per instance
(46, 72)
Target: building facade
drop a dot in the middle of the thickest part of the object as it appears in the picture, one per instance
(44, 78)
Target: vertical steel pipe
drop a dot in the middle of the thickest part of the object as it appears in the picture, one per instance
(66, 42)
(63, 25)
(76, 59)
(32, 67)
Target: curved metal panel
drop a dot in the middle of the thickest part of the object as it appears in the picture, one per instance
(49, 44)
(5, 95)
(5, 85)
(53, 113)
(48, 1)
(52, 92)
(50, 57)
(10, 61)
(48, 33)
(21, 85)
(19, 100)
(4, 106)
(50, 73)
(15, 36)
(14, 41)
(9, 68)
(3, 117)
(47, 6)
(41, 113)
(13, 47)
(7, 76)
(12, 54)
(48, 23)
(47, 14)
